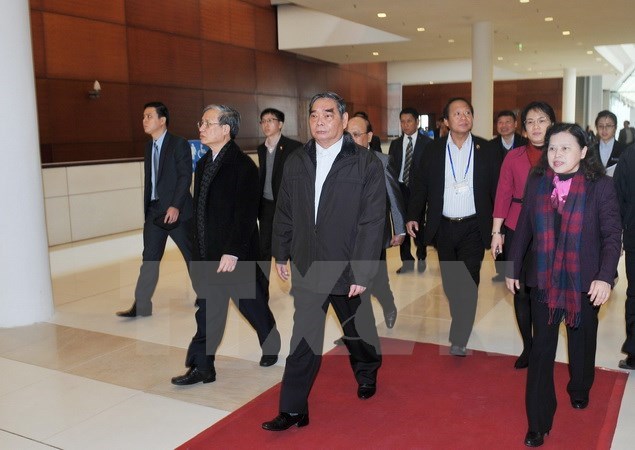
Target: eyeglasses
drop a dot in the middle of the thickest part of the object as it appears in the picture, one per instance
(607, 126)
(268, 121)
(205, 124)
(543, 122)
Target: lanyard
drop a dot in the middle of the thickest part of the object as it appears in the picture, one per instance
(469, 160)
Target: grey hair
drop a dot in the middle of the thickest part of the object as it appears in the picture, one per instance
(227, 116)
(341, 104)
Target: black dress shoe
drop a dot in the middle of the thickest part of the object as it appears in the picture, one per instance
(268, 360)
(193, 376)
(457, 350)
(535, 438)
(390, 317)
(579, 403)
(133, 312)
(523, 360)
(284, 421)
(405, 269)
(628, 363)
(366, 391)
(421, 265)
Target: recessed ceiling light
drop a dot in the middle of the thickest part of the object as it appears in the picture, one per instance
(524, 1)
(381, 15)
(432, 82)
(500, 58)
(451, 41)
(589, 52)
(566, 33)
(421, 29)
(375, 53)
(548, 19)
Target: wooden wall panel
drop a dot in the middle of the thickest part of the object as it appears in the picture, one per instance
(216, 20)
(85, 49)
(36, 4)
(176, 17)
(163, 59)
(276, 74)
(228, 68)
(37, 39)
(339, 81)
(311, 78)
(261, 3)
(107, 11)
(185, 106)
(247, 106)
(43, 108)
(93, 151)
(359, 88)
(76, 118)
(243, 24)
(288, 105)
(378, 71)
(266, 29)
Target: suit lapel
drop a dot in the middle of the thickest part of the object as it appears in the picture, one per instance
(164, 150)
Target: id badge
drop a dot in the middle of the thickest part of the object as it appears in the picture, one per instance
(461, 187)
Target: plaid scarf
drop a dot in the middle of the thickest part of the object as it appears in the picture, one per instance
(558, 261)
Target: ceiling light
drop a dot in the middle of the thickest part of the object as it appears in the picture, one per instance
(381, 15)
(451, 41)
(432, 82)
(421, 29)
(566, 33)
(589, 52)
(524, 1)
(500, 58)
(375, 53)
(548, 19)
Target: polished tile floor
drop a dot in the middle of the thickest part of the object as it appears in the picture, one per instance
(87, 379)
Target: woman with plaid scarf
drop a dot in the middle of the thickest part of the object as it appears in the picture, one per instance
(568, 201)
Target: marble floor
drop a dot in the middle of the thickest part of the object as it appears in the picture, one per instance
(87, 379)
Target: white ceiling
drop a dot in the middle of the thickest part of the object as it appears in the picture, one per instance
(523, 42)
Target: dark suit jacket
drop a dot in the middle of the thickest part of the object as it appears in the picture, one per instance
(396, 151)
(231, 210)
(601, 236)
(618, 148)
(395, 204)
(428, 190)
(622, 136)
(375, 144)
(624, 178)
(498, 143)
(174, 178)
(283, 149)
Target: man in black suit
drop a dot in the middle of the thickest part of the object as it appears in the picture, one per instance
(627, 134)
(507, 138)
(226, 197)
(329, 223)
(608, 149)
(167, 203)
(407, 157)
(458, 187)
(271, 157)
(375, 142)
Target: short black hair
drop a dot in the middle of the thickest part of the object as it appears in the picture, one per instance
(273, 111)
(409, 110)
(446, 108)
(161, 109)
(506, 113)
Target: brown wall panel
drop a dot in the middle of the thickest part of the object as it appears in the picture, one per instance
(228, 68)
(84, 49)
(36, 4)
(311, 78)
(37, 39)
(266, 29)
(216, 20)
(107, 11)
(261, 3)
(243, 24)
(93, 151)
(378, 70)
(177, 17)
(43, 108)
(276, 74)
(339, 81)
(159, 58)
(246, 105)
(288, 105)
(359, 88)
(76, 118)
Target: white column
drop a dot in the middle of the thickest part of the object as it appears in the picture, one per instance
(482, 79)
(25, 277)
(568, 96)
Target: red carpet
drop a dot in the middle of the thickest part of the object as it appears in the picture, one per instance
(426, 399)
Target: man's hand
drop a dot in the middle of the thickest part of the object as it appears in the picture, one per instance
(282, 270)
(171, 215)
(397, 240)
(227, 263)
(599, 292)
(355, 290)
(412, 228)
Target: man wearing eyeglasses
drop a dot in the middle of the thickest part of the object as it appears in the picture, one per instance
(272, 155)
(226, 197)
(167, 203)
(607, 147)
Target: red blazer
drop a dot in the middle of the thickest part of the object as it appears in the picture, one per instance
(511, 184)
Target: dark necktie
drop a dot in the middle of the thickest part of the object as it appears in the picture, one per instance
(155, 169)
(408, 162)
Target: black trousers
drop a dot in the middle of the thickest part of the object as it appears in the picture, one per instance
(629, 344)
(303, 363)
(405, 248)
(211, 317)
(380, 285)
(540, 395)
(265, 226)
(461, 251)
(522, 304)
(154, 240)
